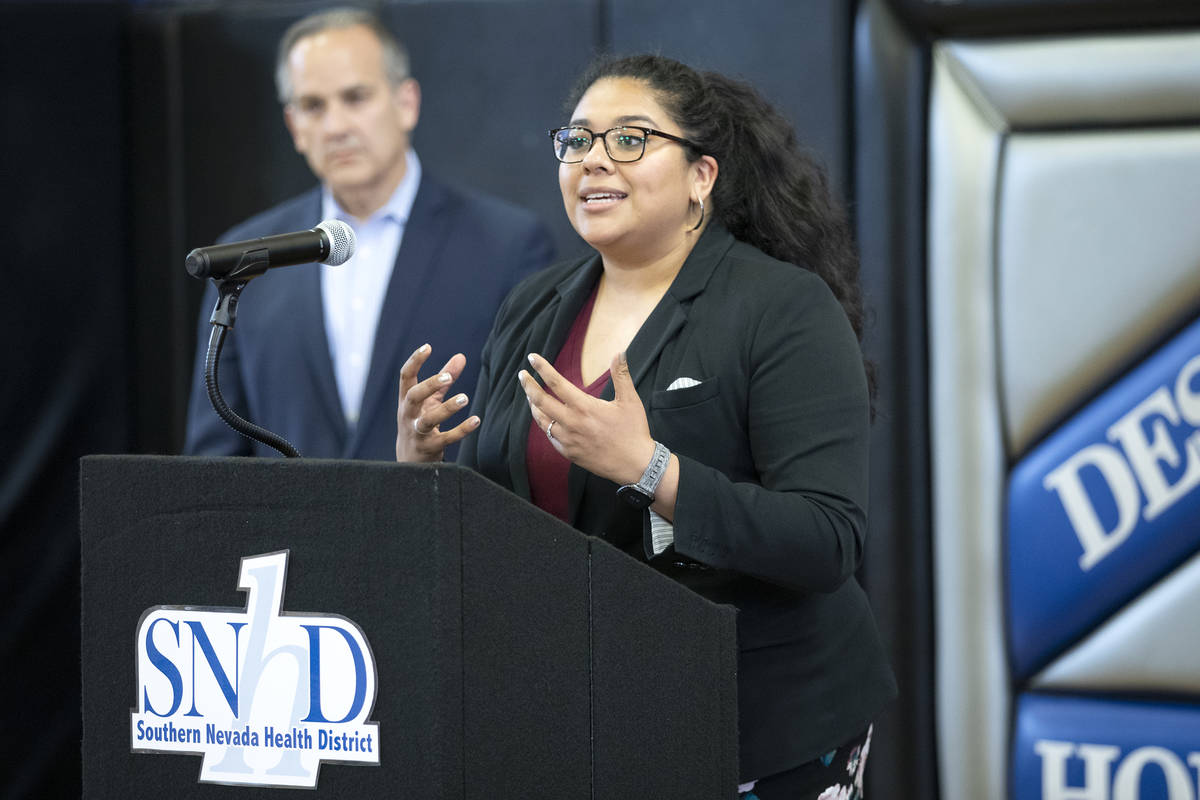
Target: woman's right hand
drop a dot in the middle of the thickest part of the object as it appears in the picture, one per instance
(423, 407)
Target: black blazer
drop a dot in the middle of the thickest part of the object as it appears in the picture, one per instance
(461, 253)
(772, 444)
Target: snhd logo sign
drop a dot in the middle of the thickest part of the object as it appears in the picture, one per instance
(264, 696)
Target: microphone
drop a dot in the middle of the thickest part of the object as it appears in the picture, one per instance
(331, 242)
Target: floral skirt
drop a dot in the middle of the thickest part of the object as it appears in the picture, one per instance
(837, 775)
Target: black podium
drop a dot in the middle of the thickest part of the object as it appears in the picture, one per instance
(505, 656)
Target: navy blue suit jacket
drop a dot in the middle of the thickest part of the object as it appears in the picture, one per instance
(460, 255)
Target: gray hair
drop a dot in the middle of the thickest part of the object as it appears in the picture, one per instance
(395, 57)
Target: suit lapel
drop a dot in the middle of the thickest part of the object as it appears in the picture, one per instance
(663, 324)
(315, 342)
(415, 267)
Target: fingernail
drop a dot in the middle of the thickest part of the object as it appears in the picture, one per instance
(461, 400)
(422, 349)
(473, 422)
(532, 358)
(444, 377)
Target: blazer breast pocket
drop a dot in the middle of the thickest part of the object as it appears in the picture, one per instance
(685, 396)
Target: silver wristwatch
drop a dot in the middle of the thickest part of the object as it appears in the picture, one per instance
(641, 494)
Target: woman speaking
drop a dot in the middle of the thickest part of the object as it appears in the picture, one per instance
(694, 393)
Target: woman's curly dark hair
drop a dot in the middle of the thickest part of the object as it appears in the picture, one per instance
(769, 192)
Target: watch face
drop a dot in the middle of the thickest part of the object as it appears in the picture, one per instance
(634, 496)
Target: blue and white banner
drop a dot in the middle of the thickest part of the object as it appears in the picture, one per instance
(1080, 748)
(264, 696)
(1107, 505)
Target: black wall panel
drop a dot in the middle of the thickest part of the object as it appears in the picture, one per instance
(796, 53)
(967, 18)
(155, 224)
(237, 157)
(494, 77)
(65, 367)
(890, 93)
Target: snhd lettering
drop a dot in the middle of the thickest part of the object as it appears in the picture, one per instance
(254, 689)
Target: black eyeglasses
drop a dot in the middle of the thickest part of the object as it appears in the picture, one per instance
(623, 143)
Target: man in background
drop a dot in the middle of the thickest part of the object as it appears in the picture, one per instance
(316, 353)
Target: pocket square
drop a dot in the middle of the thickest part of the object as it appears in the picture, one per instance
(683, 383)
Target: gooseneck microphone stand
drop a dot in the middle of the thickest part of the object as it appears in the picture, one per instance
(223, 317)
(231, 266)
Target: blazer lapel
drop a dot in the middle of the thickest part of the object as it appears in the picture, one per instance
(315, 342)
(546, 337)
(663, 324)
(660, 328)
(670, 315)
(416, 261)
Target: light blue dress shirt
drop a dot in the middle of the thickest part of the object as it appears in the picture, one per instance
(352, 294)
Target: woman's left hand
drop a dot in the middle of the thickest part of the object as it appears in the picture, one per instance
(609, 438)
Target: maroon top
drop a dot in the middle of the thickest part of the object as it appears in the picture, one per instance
(546, 467)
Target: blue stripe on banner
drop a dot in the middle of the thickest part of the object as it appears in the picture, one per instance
(1105, 506)
(1084, 747)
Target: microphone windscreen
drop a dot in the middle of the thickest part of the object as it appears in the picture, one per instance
(341, 241)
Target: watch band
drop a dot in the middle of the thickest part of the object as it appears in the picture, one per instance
(641, 494)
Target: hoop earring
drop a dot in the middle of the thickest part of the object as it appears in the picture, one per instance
(700, 221)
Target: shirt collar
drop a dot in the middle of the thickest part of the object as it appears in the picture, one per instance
(398, 206)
